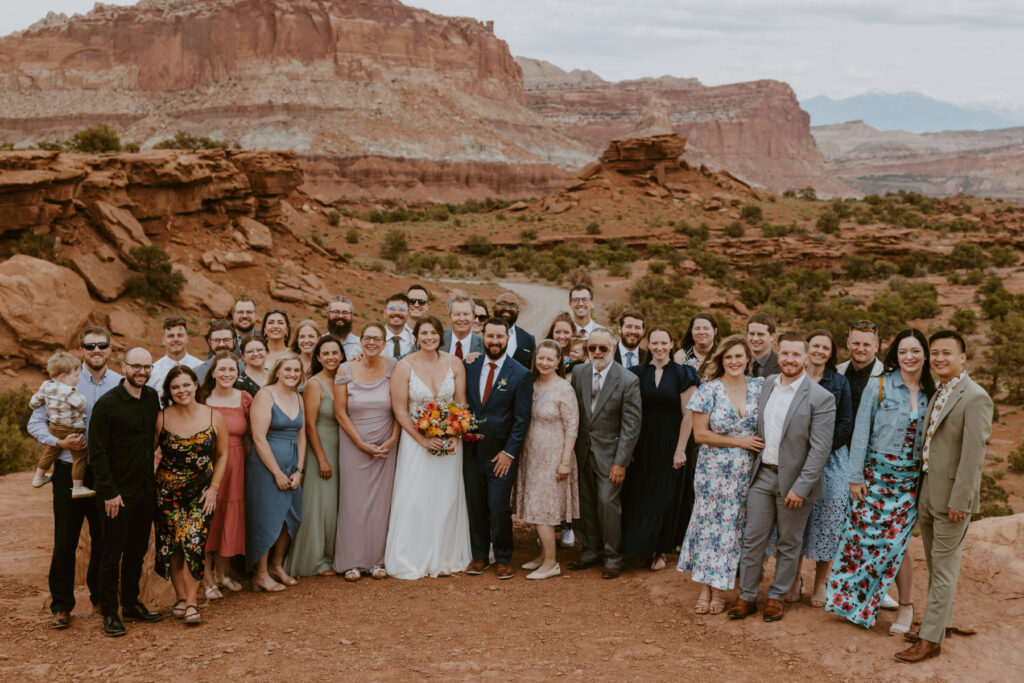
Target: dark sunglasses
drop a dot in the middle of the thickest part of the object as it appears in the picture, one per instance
(598, 347)
(92, 346)
(507, 304)
(276, 310)
(483, 318)
(173, 322)
(221, 325)
(417, 302)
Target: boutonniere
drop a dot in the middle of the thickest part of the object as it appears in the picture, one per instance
(502, 382)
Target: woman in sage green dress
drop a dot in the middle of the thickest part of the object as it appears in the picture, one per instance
(312, 551)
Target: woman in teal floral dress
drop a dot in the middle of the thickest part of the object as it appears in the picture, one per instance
(725, 425)
(193, 442)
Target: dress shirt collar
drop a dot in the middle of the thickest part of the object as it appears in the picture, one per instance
(949, 386)
(602, 373)
(497, 361)
(792, 386)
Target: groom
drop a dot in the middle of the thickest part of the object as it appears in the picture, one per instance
(500, 392)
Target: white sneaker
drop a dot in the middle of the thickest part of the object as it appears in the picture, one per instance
(568, 539)
(554, 571)
(889, 603)
(82, 492)
(41, 481)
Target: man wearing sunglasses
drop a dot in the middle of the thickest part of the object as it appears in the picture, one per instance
(175, 342)
(398, 340)
(610, 411)
(68, 513)
(581, 305)
(419, 303)
(521, 344)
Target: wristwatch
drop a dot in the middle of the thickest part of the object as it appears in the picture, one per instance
(300, 470)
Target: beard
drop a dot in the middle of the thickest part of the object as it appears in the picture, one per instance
(494, 351)
(510, 316)
(340, 328)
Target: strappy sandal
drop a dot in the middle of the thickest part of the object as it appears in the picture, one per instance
(379, 573)
(178, 611)
(213, 593)
(702, 606)
(193, 617)
(897, 628)
(230, 584)
(658, 564)
(353, 575)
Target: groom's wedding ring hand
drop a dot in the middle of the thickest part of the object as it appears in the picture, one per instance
(502, 464)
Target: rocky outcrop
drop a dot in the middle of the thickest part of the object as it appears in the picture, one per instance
(756, 130)
(344, 79)
(639, 155)
(42, 307)
(985, 163)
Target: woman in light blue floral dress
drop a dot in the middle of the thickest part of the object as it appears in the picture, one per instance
(725, 425)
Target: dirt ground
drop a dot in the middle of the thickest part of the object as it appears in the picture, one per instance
(639, 627)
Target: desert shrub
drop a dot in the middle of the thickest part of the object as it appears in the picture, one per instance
(752, 214)
(863, 217)
(842, 209)
(132, 147)
(1003, 256)
(620, 269)
(18, 450)
(966, 255)
(715, 266)
(612, 253)
(789, 194)
(333, 217)
(859, 268)
(593, 228)
(734, 229)
(663, 301)
(656, 267)
(95, 140)
(528, 234)
(1004, 356)
(808, 194)
(417, 263)
(41, 246)
(6, 146)
(996, 301)
(668, 252)
(994, 498)
(964, 321)
(393, 245)
(183, 140)
(156, 281)
(828, 222)
(352, 235)
(914, 264)
(451, 263)
(771, 230)
(477, 245)
(698, 234)
(911, 219)
(1015, 460)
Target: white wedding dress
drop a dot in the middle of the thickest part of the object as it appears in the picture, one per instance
(428, 532)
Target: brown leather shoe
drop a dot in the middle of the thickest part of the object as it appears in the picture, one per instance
(611, 572)
(742, 609)
(476, 568)
(577, 565)
(919, 651)
(61, 620)
(773, 610)
(915, 635)
(505, 571)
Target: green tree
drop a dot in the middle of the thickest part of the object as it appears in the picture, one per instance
(183, 140)
(966, 255)
(394, 245)
(157, 282)
(95, 140)
(828, 222)
(1004, 354)
(964, 321)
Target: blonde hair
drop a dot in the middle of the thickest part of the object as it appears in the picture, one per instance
(61, 363)
(283, 358)
(299, 328)
(713, 367)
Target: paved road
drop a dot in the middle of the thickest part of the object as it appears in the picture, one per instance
(540, 305)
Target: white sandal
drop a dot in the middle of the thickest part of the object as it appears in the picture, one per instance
(213, 593)
(897, 628)
(353, 575)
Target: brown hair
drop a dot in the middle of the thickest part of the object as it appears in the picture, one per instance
(61, 363)
(298, 328)
(209, 382)
(714, 368)
(547, 344)
(831, 362)
(93, 329)
(174, 372)
(764, 319)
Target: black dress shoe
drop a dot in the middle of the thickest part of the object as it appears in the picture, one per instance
(61, 620)
(113, 627)
(611, 572)
(577, 565)
(139, 612)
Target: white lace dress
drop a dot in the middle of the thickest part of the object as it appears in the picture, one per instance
(428, 533)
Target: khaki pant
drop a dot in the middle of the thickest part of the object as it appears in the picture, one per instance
(51, 453)
(943, 546)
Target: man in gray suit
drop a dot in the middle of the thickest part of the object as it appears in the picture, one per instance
(795, 418)
(461, 340)
(609, 402)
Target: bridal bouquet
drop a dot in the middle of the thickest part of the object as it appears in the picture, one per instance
(445, 420)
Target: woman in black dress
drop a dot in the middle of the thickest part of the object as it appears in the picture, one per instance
(651, 494)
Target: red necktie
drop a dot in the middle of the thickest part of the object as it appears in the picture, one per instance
(458, 349)
(490, 381)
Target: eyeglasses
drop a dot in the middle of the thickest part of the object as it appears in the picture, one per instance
(134, 367)
(372, 338)
(92, 346)
(339, 314)
(483, 318)
(398, 308)
(417, 302)
(580, 300)
(598, 347)
(512, 306)
(173, 322)
(864, 325)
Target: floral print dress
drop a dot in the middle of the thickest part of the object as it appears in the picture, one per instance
(711, 548)
(185, 471)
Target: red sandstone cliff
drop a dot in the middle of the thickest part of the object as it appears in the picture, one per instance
(756, 130)
(331, 79)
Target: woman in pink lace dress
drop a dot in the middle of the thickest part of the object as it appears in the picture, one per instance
(547, 491)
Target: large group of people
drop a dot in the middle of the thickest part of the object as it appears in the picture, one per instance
(296, 448)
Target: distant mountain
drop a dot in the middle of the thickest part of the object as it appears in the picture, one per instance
(909, 111)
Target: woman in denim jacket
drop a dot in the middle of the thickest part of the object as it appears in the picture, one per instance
(884, 465)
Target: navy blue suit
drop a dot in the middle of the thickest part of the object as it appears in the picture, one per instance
(504, 420)
(525, 347)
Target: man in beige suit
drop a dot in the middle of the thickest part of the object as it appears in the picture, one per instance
(957, 425)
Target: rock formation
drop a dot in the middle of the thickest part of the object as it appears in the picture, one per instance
(987, 163)
(337, 81)
(756, 130)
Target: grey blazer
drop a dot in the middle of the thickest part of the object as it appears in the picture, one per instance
(806, 438)
(611, 430)
(476, 343)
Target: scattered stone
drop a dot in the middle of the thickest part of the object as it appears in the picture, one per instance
(105, 278)
(713, 204)
(518, 206)
(119, 226)
(219, 261)
(589, 171)
(256, 234)
(304, 288)
(559, 207)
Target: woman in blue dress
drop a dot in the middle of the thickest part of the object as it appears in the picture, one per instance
(651, 493)
(725, 425)
(273, 494)
(885, 463)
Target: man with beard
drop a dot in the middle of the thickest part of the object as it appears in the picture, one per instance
(521, 343)
(610, 415)
(220, 336)
(398, 341)
(419, 303)
(862, 343)
(340, 311)
(68, 514)
(502, 399)
(631, 330)
(175, 353)
(243, 317)
(122, 432)
(581, 305)
(795, 418)
(460, 340)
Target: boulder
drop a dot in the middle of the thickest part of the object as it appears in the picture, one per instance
(36, 187)
(589, 171)
(220, 261)
(42, 307)
(304, 288)
(119, 225)
(125, 324)
(105, 278)
(201, 292)
(559, 207)
(641, 155)
(518, 206)
(256, 234)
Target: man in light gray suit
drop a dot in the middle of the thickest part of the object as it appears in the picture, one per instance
(609, 402)
(461, 340)
(795, 418)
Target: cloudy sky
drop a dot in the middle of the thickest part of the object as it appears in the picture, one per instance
(961, 51)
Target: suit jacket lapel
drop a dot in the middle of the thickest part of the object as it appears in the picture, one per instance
(588, 388)
(801, 396)
(611, 383)
(473, 383)
(958, 393)
(506, 368)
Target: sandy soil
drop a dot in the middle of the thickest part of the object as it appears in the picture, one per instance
(639, 627)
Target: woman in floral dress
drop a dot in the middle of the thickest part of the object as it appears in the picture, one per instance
(725, 425)
(885, 463)
(193, 441)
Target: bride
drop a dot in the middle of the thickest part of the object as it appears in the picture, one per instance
(428, 533)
